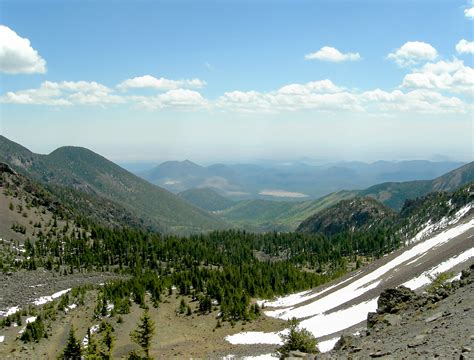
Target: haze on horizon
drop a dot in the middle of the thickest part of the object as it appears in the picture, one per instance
(240, 81)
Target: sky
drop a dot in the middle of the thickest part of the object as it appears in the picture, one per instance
(240, 80)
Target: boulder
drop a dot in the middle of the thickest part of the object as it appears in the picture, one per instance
(393, 300)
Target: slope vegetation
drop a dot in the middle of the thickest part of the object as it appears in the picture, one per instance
(394, 194)
(83, 170)
(207, 199)
(358, 213)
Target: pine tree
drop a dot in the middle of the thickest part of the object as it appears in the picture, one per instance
(72, 351)
(108, 341)
(297, 339)
(144, 333)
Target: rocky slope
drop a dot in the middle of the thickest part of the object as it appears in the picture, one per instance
(435, 324)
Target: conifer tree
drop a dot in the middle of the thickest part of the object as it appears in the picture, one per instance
(144, 332)
(72, 351)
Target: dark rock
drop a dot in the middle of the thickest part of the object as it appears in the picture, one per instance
(393, 300)
(295, 354)
(373, 319)
(5, 168)
(344, 342)
(378, 354)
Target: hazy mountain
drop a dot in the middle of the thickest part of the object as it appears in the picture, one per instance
(269, 215)
(286, 216)
(394, 194)
(364, 213)
(206, 199)
(88, 172)
(289, 181)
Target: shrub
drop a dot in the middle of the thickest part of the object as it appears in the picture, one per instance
(297, 340)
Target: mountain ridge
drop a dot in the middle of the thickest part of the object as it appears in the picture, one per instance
(84, 170)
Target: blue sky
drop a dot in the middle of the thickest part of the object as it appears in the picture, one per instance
(209, 80)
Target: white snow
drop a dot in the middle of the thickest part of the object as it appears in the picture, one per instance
(319, 319)
(70, 307)
(441, 224)
(425, 277)
(268, 356)
(327, 345)
(30, 319)
(10, 311)
(455, 277)
(319, 325)
(325, 324)
(85, 340)
(254, 337)
(362, 285)
(294, 299)
(45, 299)
(2, 338)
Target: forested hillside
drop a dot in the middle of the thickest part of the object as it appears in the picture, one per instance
(83, 170)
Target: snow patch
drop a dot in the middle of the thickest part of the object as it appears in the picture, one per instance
(268, 356)
(319, 319)
(441, 224)
(31, 319)
(70, 307)
(46, 299)
(255, 337)
(328, 345)
(10, 311)
(2, 338)
(294, 299)
(425, 277)
(85, 340)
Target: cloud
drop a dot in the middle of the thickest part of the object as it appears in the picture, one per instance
(65, 93)
(416, 101)
(327, 53)
(320, 86)
(148, 81)
(469, 13)
(448, 76)
(321, 95)
(182, 99)
(17, 56)
(465, 47)
(422, 91)
(412, 53)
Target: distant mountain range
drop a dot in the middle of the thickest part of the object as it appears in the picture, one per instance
(88, 173)
(289, 181)
(264, 215)
(103, 191)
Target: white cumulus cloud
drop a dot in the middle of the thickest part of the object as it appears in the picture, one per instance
(412, 53)
(148, 81)
(328, 53)
(415, 101)
(449, 76)
(16, 54)
(65, 93)
(182, 99)
(469, 13)
(465, 47)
